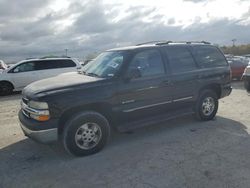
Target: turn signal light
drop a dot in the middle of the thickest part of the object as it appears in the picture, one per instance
(40, 117)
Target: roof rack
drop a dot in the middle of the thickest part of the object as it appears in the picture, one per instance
(162, 42)
(186, 42)
(150, 42)
(55, 57)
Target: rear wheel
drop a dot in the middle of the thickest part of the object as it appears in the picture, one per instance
(207, 105)
(5, 88)
(86, 134)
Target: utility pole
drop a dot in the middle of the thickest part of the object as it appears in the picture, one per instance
(66, 52)
(234, 41)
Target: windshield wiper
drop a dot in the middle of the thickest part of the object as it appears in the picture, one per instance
(91, 74)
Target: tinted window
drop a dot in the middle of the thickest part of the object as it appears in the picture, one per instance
(53, 64)
(147, 63)
(209, 56)
(65, 63)
(25, 67)
(180, 59)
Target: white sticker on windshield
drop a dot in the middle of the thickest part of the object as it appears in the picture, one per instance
(113, 64)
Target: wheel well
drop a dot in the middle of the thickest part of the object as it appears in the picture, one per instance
(101, 108)
(214, 87)
(8, 82)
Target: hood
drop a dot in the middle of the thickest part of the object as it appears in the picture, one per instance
(60, 82)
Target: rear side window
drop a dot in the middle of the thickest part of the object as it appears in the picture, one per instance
(209, 56)
(180, 59)
(65, 63)
(53, 64)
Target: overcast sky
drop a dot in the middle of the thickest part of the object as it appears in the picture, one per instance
(34, 28)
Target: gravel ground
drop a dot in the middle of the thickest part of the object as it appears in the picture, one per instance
(175, 154)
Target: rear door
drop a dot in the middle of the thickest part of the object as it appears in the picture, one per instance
(149, 93)
(55, 67)
(184, 74)
(65, 65)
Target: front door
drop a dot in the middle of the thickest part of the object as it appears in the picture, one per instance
(24, 74)
(147, 91)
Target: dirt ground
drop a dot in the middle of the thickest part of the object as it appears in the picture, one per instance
(176, 154)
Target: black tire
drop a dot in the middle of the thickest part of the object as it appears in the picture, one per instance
(5, 88)
(201, 106)
(247, 86)
(72, 129)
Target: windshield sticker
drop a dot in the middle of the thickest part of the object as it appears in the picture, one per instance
(113, 64)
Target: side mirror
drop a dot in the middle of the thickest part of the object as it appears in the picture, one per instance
(132, 74)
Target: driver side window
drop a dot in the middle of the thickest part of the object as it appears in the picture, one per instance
(25, 67)
(147, 63)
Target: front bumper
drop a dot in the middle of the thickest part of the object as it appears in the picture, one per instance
(42, 136)
(48, 135)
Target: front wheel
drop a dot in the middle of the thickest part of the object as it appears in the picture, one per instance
(207, 105)
(5, 88)
(86, 134)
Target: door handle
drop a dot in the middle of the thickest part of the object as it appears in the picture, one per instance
(167, 82)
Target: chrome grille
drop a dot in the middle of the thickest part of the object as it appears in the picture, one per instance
(24, 104)
(25, 101)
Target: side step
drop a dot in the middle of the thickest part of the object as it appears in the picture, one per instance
(153, 120)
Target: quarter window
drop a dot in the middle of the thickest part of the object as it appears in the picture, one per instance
(180, 59)
(209, 56)
(147, 63)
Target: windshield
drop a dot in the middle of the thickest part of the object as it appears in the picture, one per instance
(105, 65)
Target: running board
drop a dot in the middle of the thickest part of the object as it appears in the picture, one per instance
(153, 120)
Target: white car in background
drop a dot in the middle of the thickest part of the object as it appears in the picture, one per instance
(25, 72)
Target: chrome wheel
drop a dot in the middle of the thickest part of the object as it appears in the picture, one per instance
(88, 135)
(208, 106)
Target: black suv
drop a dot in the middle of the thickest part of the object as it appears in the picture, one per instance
(123, 89)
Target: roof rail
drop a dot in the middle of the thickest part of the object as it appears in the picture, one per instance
(186, 42)
(55, 57)
(150, 42)
(203, 42)
(162, 42)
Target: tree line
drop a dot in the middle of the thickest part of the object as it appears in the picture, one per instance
(236, 50)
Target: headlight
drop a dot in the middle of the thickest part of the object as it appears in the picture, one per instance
(38, 105)
(36, 110)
